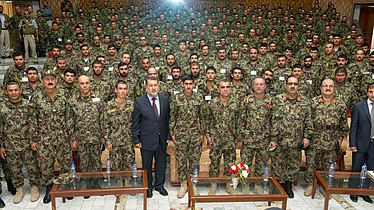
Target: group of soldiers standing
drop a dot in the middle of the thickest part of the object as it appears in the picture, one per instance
(272, 81)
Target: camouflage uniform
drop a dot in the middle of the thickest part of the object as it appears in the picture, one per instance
(255, 131)
(101, 88)
(84, 126)
(223, 131)
(117, 131)
(188, 112)
(291, 122)
(15, 137)
(49, 132)
(18, 75)
(330, 125)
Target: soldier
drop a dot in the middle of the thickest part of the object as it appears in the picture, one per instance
(15, 121)
(187, 109)
(100, 85)
(209, 89)
(84, 126)
(33, 83)
(17, 72)
(255, 119)
(222, 64)
(268, 77)
(116, 118)
(330, 128)
(43, 34)
(174, 86)
(239, 87)
(291, 128)
(49, 136)
(68, 83)
(222, 133)
(344, 90)
(281, 73)
(28, 32)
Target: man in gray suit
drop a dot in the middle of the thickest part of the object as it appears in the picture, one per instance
(361, 138)
(150, 131)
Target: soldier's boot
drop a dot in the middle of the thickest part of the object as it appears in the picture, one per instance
(258, 189)
(34, 196)
(182, 190)
(2, 203)
(288, 189)
(11, 187)
(212, 189)
(19, 195)
(308, 190)
(230, 190)
(47, 197)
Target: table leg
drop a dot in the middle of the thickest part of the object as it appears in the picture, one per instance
(193, 205)
(269, 203)
(63, 199)
(145, 200)
(327, 199)
(53, 199)
(284, 204)
(314, 187)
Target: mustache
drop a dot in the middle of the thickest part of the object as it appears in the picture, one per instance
(50, 83)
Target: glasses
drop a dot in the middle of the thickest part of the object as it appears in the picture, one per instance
(292, 83)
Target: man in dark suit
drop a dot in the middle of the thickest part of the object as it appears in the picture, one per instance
(150, 131)
(361, 138)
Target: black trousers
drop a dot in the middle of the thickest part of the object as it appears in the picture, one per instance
(160, 165)
(358, 160)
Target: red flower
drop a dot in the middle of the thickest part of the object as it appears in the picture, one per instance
(242, 166)
(233, 169)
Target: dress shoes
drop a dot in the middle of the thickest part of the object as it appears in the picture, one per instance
(162, 191)
(149, 193)
(353, 198)
(366, 198)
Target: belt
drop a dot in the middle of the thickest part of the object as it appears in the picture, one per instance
(4, 29)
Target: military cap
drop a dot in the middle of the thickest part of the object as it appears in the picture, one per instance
(48, 71)
(68, 41)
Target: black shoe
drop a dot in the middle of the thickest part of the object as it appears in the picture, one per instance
(162, 191)
(2, 203)
(366, 198)
(149, 193)
(47, 197)
(86, 197)
(288, 189)
(353, 198)
(69, 198)
(11, 187)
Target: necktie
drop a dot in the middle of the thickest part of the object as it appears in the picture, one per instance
(155, 107)
(372, 119)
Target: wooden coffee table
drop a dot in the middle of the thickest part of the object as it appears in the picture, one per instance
(342, 183)
(98, 183)
(272, 191)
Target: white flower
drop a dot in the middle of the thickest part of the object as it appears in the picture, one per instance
(245, 173)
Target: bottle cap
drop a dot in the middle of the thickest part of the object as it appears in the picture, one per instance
(72, 162)
(135, 162)
(197, 167)
(108, 159)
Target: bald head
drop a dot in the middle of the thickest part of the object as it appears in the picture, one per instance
(84, 85)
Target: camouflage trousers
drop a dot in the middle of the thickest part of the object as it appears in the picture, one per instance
(6, 168)
(48, 154)
(260, 156)
(317, 159)
(90, 157)
(16, 159)
(286, 163)
(219, 147)
(187, 153)
(122, 157)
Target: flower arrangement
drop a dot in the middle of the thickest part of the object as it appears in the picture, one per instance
(239, 171)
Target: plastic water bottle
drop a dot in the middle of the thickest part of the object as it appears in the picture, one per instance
(108, 165)
(364, 169)
(331, 170)
(266, 173)
(134, 170)
(73, 173)
(195, 178)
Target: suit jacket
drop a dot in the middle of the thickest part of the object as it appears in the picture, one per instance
(360, 131)
(147, 129)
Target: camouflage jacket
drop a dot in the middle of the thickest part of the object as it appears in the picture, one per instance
(291, 120)
(329, 122)
(116, 123)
